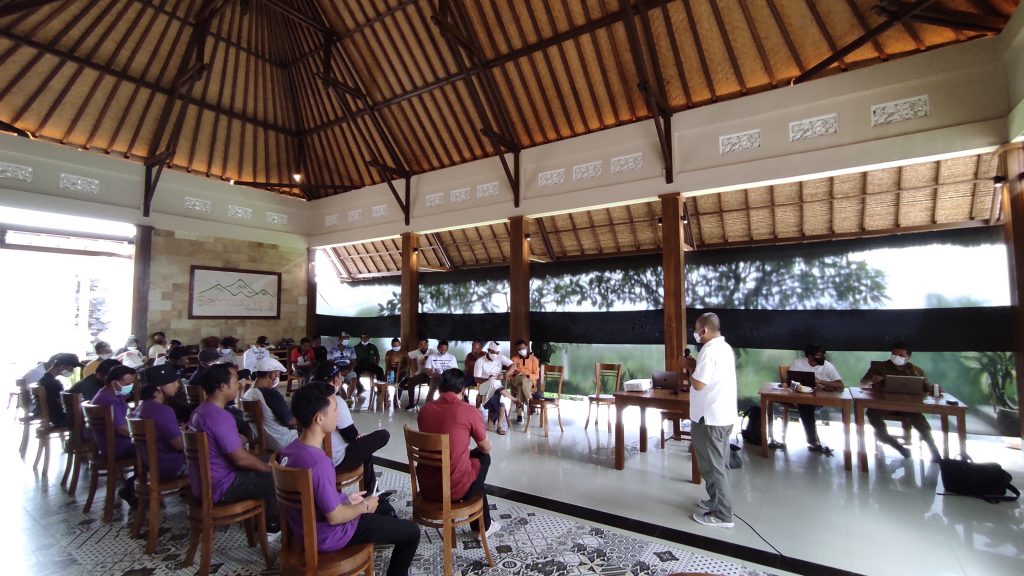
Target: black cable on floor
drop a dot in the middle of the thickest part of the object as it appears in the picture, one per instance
(785, 559)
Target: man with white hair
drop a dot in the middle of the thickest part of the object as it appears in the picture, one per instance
(278, 421)
(713, 414)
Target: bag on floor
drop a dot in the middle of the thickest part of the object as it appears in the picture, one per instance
(987, 481)
(751, 426)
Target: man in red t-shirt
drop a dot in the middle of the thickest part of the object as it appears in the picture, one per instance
(460, 421)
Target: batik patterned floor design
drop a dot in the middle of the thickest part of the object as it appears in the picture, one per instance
(530, 543)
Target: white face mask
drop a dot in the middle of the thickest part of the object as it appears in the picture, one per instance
(696, 336)
(133, 348)
(365, 341)
(67, 373)
(492, 355)
(396, 348)
(344, 342)
(524, 353)
(898, 360)
(277, 381)
(105, 356)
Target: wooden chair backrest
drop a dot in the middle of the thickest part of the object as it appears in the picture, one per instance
(329, 445)
(603, 370)
(551, 373)
(102, 417)
(294, 490)
(26, 399)
(143, 431)
(42, 408)
(432, 450)
(72, 402)
(784, 375)
(254, 413)
(197, 455)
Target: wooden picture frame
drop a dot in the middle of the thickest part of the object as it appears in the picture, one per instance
(233, 293)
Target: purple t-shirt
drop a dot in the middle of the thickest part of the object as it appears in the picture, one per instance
(122, 445)
(222, 435)
(171, 461)
(325, 496)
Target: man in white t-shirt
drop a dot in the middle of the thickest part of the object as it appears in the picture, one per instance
(159, 347)
(487, 373)
(713, 413)
(827, 378)
(278, 421)
(418, 370)
(255, 353)
(436, 364)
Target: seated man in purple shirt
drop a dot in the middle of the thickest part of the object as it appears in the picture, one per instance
(235, 473)
(341, 519)
(162, 384)
(120, 382)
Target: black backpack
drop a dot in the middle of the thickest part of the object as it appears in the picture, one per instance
(751, 429)
(987, 481)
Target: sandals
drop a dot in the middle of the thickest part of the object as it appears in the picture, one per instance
(502, 431)
(820, 449)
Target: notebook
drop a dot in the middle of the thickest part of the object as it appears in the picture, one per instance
(903, 385)
(805, 378)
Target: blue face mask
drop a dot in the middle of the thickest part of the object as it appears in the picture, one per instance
(127, 389)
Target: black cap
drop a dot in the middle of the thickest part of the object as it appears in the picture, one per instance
(209, 355)
(160, 375)
(326, 371)
(63, 358)
(263, 340)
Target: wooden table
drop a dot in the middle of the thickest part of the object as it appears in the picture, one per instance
(770, 394)
(864, 399)
(656, 398)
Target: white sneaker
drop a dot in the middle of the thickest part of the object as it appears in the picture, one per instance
(495, 526)
(707, 519)
(704, 504)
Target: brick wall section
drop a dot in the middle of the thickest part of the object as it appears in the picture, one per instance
(174, 253)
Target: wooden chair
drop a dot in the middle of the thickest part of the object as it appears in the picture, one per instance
(76, 448)
(254, 414)
(433, 450)
(26, 419)
(149, 487)
(106, 463)
(195, 393)
(601, 372)
(550, 374)
(345, 479)
(204, 516)
(674, 417)
(45, 431)
(294, 489)
(380, 395)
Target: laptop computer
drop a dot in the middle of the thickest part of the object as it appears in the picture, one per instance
(903, 385)
(666, 380)
(804, 378)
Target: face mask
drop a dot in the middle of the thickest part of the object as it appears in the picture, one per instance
(67, 373)
(696, 335)
(127, 389)
(396, 348)
(105, 356)
(492, 356)
(277, 381)
(365, 341)
(524, 353)
(133, 348)
(344, 342)
(898, 360)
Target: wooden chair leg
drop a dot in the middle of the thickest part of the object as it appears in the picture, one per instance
(46, 455)
(206, 549)
(68, 461)
(483, 541)
(140, 513)
(558, 411)
(785, 423)
(94, 480)
(193, 543)
(608, 416)
(250, 535)
(906, 431)
(76, 470)
(261, 537)
(155, 515)
(23, 449)
(590, 404)
(447, 539)
(526, 423)
(108, 506)
(39, 451)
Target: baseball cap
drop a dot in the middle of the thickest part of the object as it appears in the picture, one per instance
(269, 364)
(209, 355)
(263, 340)
(160, 375)
(64, 358)
(326, 371)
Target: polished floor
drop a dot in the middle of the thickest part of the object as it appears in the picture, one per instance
(889, 521)
(823, 519)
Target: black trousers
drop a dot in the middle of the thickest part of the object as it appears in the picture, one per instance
(379, 529)
(807, 419)
(368, 366)
(360, 451)
(477, 487)
(250, 484)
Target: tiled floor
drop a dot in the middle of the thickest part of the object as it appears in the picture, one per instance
(887, 522)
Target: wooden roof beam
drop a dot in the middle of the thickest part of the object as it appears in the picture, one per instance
(5, 127)
(960, 20)
(892, 18)
(12, 8)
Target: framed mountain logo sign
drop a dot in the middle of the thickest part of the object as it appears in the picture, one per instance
(231, 293)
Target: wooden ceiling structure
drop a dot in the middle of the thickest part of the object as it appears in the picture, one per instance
(951, 193)
(317, 97)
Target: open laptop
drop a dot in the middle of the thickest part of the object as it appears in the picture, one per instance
(804, 378)
(666, 380)
(903, 385)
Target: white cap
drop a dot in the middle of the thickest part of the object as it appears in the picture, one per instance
(269, 364)
(492, 345)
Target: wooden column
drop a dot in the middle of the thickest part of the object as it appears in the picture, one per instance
(311, 294)
(410, 322)
(673, 262)
(519, 279)
(1013, 210)
(140, 294)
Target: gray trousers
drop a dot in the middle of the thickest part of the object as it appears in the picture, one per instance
(711, 443)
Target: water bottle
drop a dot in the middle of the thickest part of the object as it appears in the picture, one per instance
(391, 376)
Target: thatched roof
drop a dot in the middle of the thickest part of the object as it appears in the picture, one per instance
(951, 193)
(265, 89)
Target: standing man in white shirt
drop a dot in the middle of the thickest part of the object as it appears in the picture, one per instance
(713, 413)
(436, 364)
(827, 378)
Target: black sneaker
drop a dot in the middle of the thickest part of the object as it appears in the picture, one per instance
(129, 497)
(519, 419)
